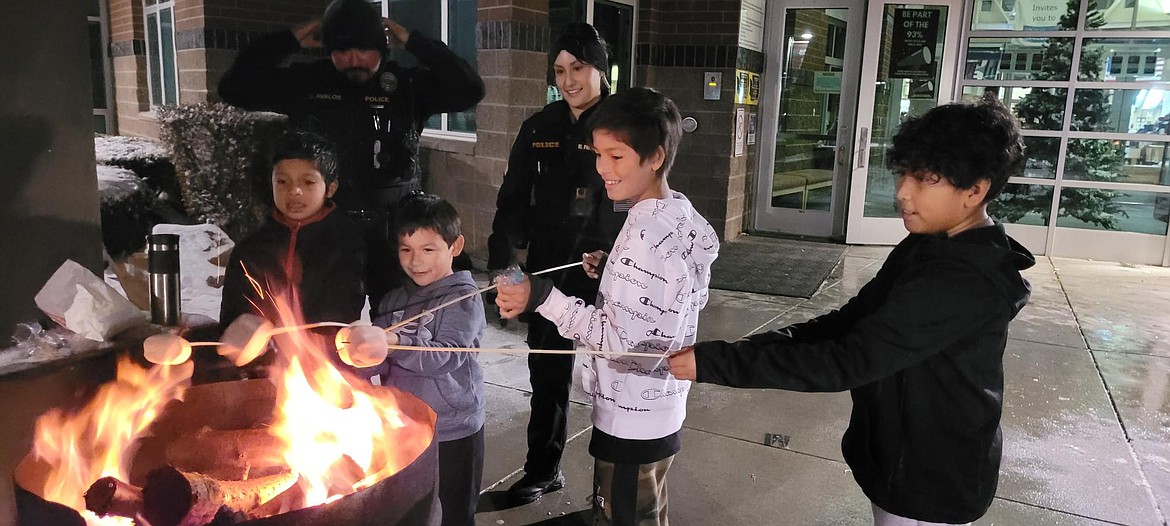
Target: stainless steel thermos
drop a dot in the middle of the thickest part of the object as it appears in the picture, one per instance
(163, 262)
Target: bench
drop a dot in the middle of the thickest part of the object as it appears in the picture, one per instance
(800, 181)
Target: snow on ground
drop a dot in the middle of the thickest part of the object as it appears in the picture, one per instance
(204, 251)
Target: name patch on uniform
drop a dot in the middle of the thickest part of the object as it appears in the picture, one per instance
(326, 96)
(583, 146)
(546, 144)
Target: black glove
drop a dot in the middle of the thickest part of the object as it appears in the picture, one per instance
(541, 288)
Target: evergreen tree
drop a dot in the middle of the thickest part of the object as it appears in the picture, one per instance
(1043, 109)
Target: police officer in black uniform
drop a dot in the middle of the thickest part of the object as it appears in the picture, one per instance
(553, 202)
(371, 108)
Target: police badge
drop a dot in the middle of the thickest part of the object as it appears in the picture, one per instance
(388, 82)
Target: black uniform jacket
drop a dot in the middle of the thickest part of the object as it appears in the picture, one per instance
(921, 349)
(320, 260)
(375, 126)
(553, 201)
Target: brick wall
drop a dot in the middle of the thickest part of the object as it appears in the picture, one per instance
(679, 40)
(512, 41)
(207, 35)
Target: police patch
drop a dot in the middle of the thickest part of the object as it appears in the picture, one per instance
(388, 82)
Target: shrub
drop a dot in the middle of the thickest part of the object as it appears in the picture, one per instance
(221, 157)
(126, 205)
(146, 158)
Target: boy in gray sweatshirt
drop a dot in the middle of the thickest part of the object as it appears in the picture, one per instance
(429, 238)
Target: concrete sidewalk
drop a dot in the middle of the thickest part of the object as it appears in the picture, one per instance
(1086, 417)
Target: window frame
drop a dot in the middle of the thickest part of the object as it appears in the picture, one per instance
(443, 131)
(102, 21)
(154, 8)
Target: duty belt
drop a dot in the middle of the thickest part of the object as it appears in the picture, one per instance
(367, 214)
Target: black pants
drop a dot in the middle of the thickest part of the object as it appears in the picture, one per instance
(383, 271)
(552, 378)
(460, 476)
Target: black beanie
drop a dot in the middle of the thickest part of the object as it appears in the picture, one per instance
(582, 41)
(350, 24)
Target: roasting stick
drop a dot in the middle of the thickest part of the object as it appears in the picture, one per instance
(607, 354)
(470, 294)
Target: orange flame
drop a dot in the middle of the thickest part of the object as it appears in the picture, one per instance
(99, 440)
(337, 427)
(341, 433)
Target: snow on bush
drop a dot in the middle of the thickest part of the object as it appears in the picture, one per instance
(146, 157)
(221, 156)
(126, 205)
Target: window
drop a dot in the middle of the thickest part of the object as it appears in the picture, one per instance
(99, 66)
(453, 22)
(160, 51)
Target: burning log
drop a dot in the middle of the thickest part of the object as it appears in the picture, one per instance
(225, 455)
(175, 498)
(110, 496)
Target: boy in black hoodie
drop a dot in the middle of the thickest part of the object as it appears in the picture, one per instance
(921, 345)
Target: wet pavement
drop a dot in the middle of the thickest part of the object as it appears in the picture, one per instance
(1086, 424)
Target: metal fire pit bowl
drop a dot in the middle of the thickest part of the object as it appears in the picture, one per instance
(409, 497)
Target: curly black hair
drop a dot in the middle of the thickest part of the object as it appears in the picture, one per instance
(963, 142)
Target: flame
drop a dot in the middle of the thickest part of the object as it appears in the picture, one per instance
(341, 434)
(99, 440)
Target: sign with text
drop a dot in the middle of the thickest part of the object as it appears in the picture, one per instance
(740, 131)
(751, 24)
(913, 53)
(827, 82)
(747, 87)
(1038, 15)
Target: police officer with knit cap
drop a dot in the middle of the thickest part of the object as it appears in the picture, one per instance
(370, 107)
(553, 203)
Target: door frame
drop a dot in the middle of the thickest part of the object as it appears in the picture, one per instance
(816, 223)
(632, 60)
(880, 230)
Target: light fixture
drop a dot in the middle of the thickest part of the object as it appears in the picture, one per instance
(806, 35)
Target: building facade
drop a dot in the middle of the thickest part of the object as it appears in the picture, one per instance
(791, 102)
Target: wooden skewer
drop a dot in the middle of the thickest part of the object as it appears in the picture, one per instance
(606, 354)
(470, 294)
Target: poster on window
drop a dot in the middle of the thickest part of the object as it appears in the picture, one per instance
(913, 53)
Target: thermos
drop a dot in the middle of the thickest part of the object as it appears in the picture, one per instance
(163, 256)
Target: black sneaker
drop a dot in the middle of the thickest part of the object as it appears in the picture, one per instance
(530, 488)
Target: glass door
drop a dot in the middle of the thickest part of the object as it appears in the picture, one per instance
(910, 71)
(614, 21)
(810, 86)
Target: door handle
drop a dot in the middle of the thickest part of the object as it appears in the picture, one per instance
(862, 147)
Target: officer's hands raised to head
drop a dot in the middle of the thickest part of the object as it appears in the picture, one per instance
(309, 34)
(398, 34)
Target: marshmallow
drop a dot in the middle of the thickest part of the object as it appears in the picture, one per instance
(362, 345)
(245, 339)
(166, 349)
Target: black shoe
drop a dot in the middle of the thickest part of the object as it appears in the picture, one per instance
(529, 488)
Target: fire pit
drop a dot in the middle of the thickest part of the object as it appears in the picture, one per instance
(341, 470)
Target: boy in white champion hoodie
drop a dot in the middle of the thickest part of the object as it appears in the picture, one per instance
(653, 284)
